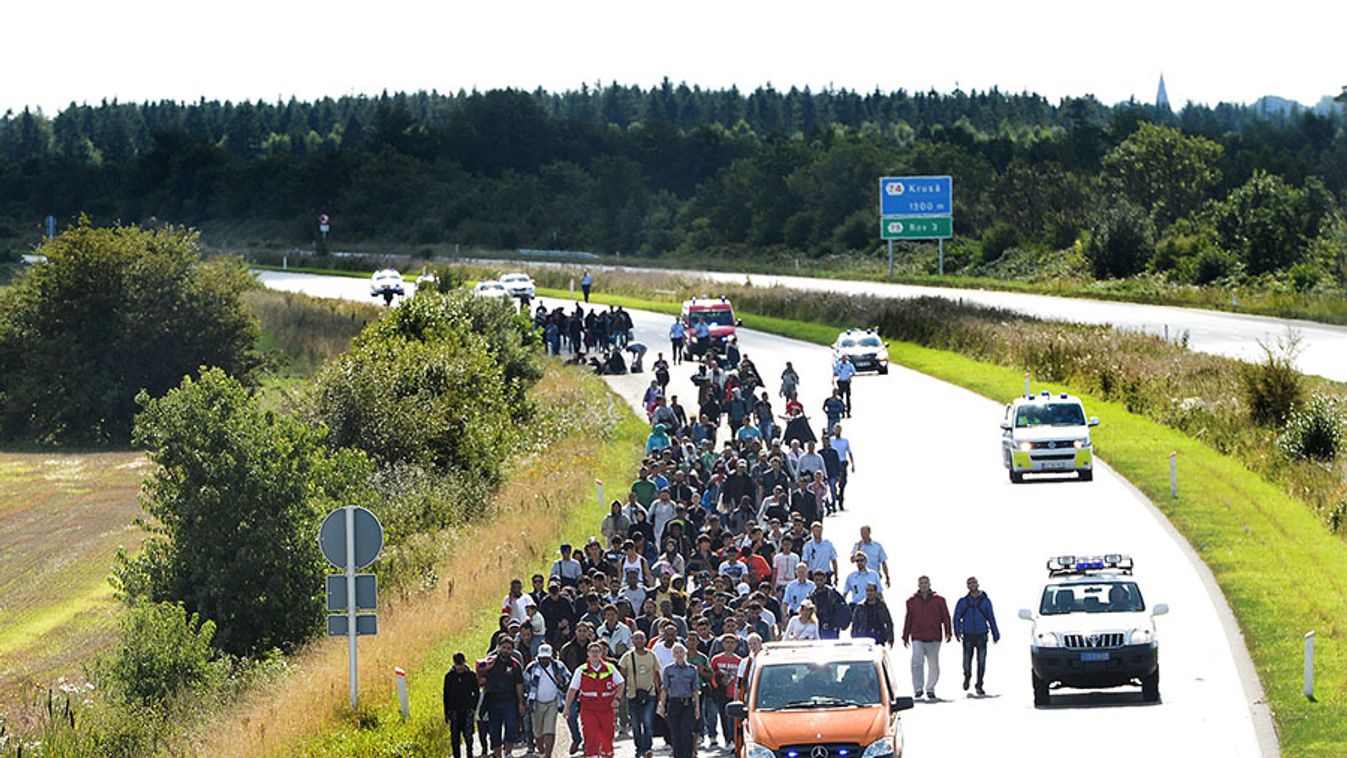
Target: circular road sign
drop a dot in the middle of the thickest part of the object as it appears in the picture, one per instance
(369, 537)
(323, 219)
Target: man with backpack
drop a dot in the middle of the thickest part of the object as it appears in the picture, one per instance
(973, 620)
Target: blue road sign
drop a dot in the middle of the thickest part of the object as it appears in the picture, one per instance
(916, 196)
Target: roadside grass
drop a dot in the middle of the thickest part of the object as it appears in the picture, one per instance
(62, 517)
(1281, 571)
(546, 499)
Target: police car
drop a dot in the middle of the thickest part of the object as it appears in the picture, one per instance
(519, 285)
(865, 349)
(1093, 629)
(386, 283)
(1047, 433)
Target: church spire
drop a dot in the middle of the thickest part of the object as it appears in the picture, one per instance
(1161, 96)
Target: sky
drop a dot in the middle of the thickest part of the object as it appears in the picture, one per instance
(59, 51)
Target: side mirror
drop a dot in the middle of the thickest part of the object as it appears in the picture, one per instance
(737, 710)
(1005, 426)
(1160, 609)
(886, 344)
(738, 322)
(902, 703)
(1094, 421)
(1026, 614)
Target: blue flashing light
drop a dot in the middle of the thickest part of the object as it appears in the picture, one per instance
(792, 754)
(1063, 395)
(842, 752)
(1047, 394)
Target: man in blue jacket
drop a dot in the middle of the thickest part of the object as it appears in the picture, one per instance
(833, 613)
(973, 620)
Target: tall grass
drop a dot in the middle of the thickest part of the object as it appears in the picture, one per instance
(300, 333)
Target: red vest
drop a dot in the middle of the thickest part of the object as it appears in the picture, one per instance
(597, 688)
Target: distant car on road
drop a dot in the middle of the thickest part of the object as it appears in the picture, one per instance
(1047, 433)
(427, 279)
(1092, 629)
(519, 285)
(491, 288)
(865, 349)
(386, 283)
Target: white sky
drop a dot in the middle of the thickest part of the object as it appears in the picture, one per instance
(57, 51)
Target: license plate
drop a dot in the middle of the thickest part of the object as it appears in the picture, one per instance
(1093, 657)
(1056, 464)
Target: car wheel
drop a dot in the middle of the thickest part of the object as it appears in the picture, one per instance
(1087, 475)
(883, 369)
(1150, 686)
(1041, 696)
(1015, 476)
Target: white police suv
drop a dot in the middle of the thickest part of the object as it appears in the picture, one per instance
(386, 283)
(1047, 433)
(865, 349)
(1093, 629)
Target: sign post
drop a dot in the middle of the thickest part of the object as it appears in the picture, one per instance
(916, 208)
(324, 225)
(351, 538)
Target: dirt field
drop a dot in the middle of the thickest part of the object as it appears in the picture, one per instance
(62, 517)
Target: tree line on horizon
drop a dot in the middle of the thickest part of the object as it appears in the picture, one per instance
(1205, 193)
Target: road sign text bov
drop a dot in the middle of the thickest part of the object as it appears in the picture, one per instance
(915, 196)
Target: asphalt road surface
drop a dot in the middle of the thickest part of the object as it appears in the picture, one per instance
(930, 481)
(1229, 334)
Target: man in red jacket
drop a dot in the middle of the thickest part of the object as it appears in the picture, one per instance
(927, 621)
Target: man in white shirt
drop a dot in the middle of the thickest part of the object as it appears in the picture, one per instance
(854, 589)
(663, 647)
(614, 632)
(810, 461)
(799, 590)
(517, 601)
(874, 553)
(819, 554)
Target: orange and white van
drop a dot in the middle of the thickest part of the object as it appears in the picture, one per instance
(821, 699)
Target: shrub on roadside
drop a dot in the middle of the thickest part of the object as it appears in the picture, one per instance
(236, 499)
(1273, 387)
(1122, 242)
(164, 650)
(1315, 431)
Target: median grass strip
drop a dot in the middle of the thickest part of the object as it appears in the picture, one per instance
(547, 498)
(1281, 571)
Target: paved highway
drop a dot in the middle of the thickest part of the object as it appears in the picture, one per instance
(1215, 332)
(930, 482)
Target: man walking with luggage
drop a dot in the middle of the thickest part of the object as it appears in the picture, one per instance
(973, 621)
(926, 624)
(545, 681)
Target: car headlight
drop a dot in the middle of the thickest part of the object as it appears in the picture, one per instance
(879, 748)
(754, 750)
(1026, 446)
(1143, 636)
(1046, 639)
(1081, 443)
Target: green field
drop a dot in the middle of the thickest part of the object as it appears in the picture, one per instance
(62, 517)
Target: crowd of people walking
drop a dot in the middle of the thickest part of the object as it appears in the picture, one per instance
(720, 544)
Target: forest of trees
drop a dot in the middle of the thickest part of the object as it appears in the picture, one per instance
(1205, 193)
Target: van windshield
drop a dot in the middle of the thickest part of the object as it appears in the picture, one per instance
(1052, 414)
(1103, 597)
(838, 684)
(714, 318)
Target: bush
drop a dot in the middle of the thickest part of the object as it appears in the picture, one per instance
(1274, 386)
(236, 500)
(1305, 276)
(1213, 264)
(1315, 431)
(163, 651)
(112, 312)
(998, 238)
(1122, 242)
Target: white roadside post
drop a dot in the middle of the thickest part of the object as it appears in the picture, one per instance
(1027, 390)
(1309, 665)
(350, 602)
(401, 677)
(571, 287)
(598, 485)
(1174, 473)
